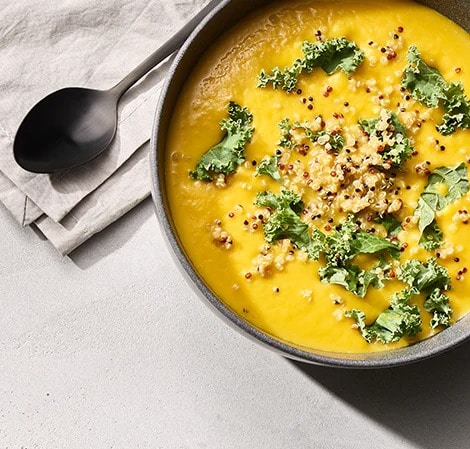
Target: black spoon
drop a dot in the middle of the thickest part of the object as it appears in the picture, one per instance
(74, 125)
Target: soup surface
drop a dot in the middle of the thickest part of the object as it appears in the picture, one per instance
(339, 220)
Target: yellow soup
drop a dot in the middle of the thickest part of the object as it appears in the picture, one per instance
(356, 148)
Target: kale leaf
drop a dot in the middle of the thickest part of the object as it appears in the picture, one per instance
(286, 199)
(286, 79)
(285, 222)
(425, 83)
(455, 181)
(400, 320)
(286, 140)
(353, 278)
(331, 55)
(431, 238)
(268, 166)
(330, 141)
(348, 240)
(433, 280)
(226, 156)
(438, 304)
(457, 110)
(340, 248)
(403, 319)
(424, 277)
(365, 243)
(428, 86)
(390, 223)
(339, 244)
(395, 132)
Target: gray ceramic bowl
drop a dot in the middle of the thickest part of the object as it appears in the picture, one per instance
(228, 12)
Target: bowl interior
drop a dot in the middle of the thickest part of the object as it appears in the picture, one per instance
(215, 24)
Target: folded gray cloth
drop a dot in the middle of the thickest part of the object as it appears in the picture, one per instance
(45, 46)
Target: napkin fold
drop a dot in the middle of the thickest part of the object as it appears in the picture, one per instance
(45, 46)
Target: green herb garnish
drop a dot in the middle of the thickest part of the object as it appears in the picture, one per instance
(338, 248)
(457, 110)
(438, 304)
(427, 86)
(285, 222)
(348, 240)
(329, 140)
(342, 246)
(424, 277)
(400, 320)
(425, 83)
(455, 182)
(226, 156)
(353, 278)
(268, 166)
(431, 279)
(331, 55)
(390, 223)
(431, 238)
(397, 146)
(286, 141)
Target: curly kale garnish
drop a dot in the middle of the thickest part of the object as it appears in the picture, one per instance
(353, 278)
(269, 166)
(340, 248)
(431, 238)
(330, 55)
(331, 141)
(397, 146)
(391, 224)
(425, 83)
(400, 320)
(226, 156)
(285, 79)
(438, 304)
(432, 280)
(432, 200)
(348, 240)
(457, 110)
(285, 222)
(428, 86)
(424, 277)
(285, 127)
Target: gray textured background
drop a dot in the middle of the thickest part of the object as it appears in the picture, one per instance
(111, 349)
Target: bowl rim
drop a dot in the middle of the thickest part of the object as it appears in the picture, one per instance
(445, 340)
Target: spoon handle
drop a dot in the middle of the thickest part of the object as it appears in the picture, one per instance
(164, 51)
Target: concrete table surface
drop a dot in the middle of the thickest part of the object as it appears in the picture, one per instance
(110, 348)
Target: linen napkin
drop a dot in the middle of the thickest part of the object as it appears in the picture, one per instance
(45, 46)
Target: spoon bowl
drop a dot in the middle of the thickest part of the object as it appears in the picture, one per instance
(68, 128)
(72, 126)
